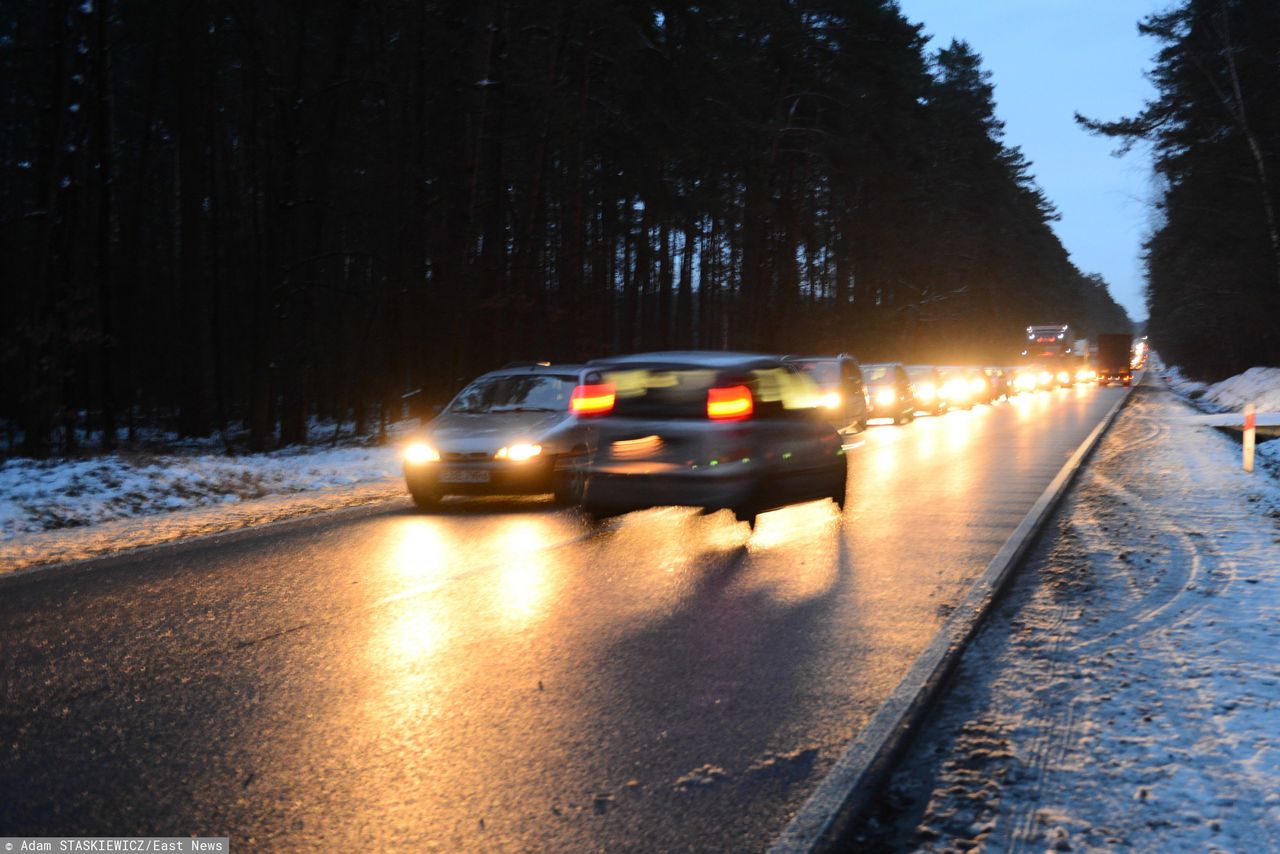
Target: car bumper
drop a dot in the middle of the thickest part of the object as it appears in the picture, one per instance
(619, 489)
(480, 478)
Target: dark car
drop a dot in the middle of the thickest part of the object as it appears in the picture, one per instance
(891, 393)
(844, 395)
(1000, 382)
(510, 432)
(736, 431)
(928, 381)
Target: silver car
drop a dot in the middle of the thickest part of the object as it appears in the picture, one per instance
(844, 396)
(510, 432)
(735, 431)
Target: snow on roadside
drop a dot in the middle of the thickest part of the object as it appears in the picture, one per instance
(59, 510)
(1123, 696)
(1259, 386)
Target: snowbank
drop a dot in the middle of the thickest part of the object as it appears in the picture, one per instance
(1259, 386)
(61, 510)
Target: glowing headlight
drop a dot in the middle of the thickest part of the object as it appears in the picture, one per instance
(419, 453)
(1026, 382)
(886, 397)
(831, 400)
(955, 390)
(926, 391)
(1064, 377)
(1045, 378)
(977, 384)
(518, 452)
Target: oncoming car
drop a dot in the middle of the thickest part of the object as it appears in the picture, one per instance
(891, 393)
(844, 396)
(928, 383)
(510, 432)
(735, 431)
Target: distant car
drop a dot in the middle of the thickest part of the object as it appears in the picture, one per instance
(928, 381)
(891, 393)
(980, 385)
(510, 432)
(844, 395)
(955, 388)
(999, 381)
(735, 431)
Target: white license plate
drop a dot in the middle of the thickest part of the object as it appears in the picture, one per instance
(464, 476)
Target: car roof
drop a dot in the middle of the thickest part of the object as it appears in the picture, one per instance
(688, 358)
(837, 357)
(921, 368)
(883, 365)
(516, 369)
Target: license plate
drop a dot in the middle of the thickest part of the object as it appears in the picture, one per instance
(464, 476)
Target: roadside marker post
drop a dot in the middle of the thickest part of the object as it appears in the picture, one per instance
(1250, 431)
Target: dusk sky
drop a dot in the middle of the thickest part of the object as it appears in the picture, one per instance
(1049, 59)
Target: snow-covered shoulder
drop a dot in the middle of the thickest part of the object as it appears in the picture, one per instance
(60, 510)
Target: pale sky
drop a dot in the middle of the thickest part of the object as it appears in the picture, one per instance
(1049, 59)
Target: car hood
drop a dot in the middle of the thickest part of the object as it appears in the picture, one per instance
(454, 431)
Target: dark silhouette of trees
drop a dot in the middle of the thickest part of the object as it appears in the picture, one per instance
(1213, 262)
(228, 217)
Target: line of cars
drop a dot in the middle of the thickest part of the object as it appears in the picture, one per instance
(745, 432)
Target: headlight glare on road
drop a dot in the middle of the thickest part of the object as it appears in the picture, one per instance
(420, 452)
(518, 452)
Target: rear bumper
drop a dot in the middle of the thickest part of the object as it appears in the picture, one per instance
(619, 491)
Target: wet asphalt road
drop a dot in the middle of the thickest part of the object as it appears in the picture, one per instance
(504, 675)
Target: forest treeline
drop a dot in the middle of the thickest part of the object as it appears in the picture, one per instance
(230, 216)
(1213, 260)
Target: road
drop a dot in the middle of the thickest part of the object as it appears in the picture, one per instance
(504, 675)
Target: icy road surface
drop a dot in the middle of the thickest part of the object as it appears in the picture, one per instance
(1126, 694)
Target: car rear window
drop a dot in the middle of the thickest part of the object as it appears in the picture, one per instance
(876, 373)
(659, 392)
(528, 393)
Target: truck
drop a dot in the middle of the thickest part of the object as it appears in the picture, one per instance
(1114, 358)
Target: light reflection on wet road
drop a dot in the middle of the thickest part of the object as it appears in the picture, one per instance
(502, 675)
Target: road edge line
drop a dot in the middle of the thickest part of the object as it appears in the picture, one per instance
(848, 788)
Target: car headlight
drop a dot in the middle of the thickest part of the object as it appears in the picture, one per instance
(886, 397)
(977, 385)
(1064, 377)
(926, 392)
(831, 400)
(518, 452)
(420, 452)
(1045, 378)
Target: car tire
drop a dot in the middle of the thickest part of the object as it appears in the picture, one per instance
(426, 502)
(569, 488)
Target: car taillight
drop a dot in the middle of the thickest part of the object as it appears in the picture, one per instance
(593, 399)
(729, 404)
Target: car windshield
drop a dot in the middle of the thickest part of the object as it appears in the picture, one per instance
(537, 393)
(920, 373)
(876, 373)
(825, 374)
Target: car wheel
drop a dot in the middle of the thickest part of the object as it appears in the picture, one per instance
(425, 501)
(569, 488)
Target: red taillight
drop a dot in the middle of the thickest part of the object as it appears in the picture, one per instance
(593, 399)
(729, 404)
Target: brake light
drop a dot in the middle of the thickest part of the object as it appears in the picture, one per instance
(729, 404)
(593, 399)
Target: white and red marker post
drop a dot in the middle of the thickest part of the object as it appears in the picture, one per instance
(1250, 431)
